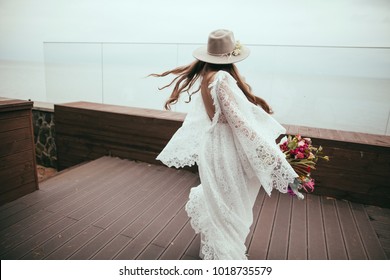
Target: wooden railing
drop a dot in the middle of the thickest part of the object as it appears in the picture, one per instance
(358, 170)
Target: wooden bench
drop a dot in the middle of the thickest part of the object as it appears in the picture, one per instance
(359, 169)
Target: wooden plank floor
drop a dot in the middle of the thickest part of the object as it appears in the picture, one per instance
(120, 209)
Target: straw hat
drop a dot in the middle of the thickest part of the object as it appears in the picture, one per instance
(221, 48)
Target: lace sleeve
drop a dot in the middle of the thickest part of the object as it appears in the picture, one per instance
(266, 160)
(183, 147)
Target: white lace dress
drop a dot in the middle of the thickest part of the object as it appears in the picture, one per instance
(235, 153)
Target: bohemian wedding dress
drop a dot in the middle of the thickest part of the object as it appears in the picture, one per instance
(235, 153)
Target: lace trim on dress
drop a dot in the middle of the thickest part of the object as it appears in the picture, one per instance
(266, 159)
(213, 245)
(194, 209)
(179, 162)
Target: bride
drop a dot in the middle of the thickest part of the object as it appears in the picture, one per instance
(230, 135)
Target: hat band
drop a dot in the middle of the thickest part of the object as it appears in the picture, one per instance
(236, 51)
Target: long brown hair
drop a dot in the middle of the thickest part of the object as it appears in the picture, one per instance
(186, 76)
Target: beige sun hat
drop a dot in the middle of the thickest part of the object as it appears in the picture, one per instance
(221, 48)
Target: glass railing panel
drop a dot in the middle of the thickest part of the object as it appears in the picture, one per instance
(73, 72)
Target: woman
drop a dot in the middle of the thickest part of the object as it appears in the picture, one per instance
(230, 135)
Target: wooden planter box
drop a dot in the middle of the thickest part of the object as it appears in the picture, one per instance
(17, 150)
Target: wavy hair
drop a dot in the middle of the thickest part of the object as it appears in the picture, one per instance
(186, 77)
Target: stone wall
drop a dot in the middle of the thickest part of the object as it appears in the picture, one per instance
(44, 137)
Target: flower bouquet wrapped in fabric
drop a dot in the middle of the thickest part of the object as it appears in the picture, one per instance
(303, 157)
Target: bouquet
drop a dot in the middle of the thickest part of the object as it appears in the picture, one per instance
(303, 157)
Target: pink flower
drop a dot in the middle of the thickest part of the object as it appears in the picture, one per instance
(301, 143)
(303, 157)
(290, 191)
(309, 185)
(300, 155)
(284, 147)
(307, 140)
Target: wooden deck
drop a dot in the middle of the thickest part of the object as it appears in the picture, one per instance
(111, 208)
